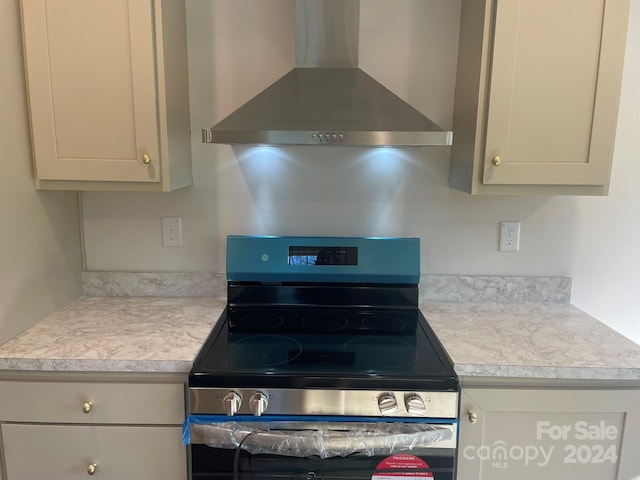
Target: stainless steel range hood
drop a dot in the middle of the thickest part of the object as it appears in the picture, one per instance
(327, 99)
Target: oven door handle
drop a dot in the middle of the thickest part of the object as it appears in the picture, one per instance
(300, 439)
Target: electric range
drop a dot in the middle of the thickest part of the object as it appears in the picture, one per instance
(321, 333)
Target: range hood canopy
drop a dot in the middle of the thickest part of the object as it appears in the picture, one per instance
(326, 99)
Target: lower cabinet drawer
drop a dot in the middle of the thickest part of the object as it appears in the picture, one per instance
(64, 452)
(85, 402)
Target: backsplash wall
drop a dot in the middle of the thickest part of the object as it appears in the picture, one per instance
(237, 48)
(41, 257)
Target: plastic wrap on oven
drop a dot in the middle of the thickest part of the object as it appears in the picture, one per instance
(320, 440)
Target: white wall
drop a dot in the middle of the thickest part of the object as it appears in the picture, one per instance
(409, 45)
(40, 245)
(606, 263)
(308, 190)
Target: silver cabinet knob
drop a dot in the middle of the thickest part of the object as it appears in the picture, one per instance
(259, 403)
(414, 404)
(473, 417)
(232, 402)
(387, 403)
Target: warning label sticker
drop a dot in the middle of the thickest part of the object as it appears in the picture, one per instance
(408, 467)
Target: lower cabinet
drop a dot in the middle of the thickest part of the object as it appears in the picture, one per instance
(549, 433)
(62, 426)
(63, 452)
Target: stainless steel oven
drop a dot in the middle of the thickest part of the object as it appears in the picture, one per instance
(322, 367)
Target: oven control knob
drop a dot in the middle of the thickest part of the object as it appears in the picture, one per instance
(414, 404)
(259, 403)
(387, 403)
(232, 402)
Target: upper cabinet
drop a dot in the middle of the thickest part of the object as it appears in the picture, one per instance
(107, 84)
(537, 95)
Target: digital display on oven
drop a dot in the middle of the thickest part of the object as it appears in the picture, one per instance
(323, 255)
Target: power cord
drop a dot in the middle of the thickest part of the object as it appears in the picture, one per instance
(236, 457)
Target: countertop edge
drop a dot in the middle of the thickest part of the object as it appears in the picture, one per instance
(112, 366)
(547, 372)
(120, 335)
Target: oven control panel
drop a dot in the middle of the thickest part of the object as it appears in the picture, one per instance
(369, 403)
(323, 259)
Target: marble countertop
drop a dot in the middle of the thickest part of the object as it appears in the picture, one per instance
(531, 340)
(116, 334)
(159, 334)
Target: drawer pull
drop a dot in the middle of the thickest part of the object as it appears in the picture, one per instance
(87, 406)
(91, 469)
(496, 161)
(146, 159)
(473, 417)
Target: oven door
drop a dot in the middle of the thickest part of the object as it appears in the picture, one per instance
(318, 448)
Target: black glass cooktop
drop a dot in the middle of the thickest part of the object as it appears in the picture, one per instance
(307, 347)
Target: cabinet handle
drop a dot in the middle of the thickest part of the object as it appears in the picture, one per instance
(146, 159)
(87, 406)
(496, 161)
(473, 417)
(91, 469)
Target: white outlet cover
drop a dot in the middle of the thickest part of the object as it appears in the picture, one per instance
(171, 231)
(509, 237)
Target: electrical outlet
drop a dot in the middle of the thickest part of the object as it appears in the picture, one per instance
(509, 237)
(171, 231)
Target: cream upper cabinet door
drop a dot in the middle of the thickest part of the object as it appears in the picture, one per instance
(540, 112)
(98, 91)
(531, 434)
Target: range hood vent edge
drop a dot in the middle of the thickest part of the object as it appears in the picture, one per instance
(318, 103)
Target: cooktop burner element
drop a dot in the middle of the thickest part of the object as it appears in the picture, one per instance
(258, 321)
(257, 351)
(373, 349)
(383, 323)
(324, 322)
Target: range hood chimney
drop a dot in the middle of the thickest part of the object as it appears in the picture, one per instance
(326, 99)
